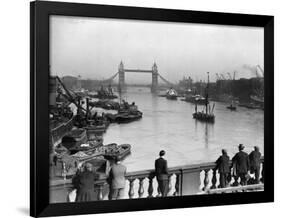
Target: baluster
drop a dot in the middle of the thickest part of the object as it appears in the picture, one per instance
(100, 194)
(214, 179)
(158, 192)
(141, 189)
(131, 190)
(106, 195)
(150, 187)
(206, 180)
(177, 185)
(170, 183)
(235, 180)
(63, 173)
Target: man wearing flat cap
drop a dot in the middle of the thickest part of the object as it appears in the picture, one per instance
(255, 162)
(223, 167)
(161, 172)
(241, 164)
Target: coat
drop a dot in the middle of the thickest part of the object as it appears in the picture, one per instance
(222, 164)
(117, 176)
(241, 162)
(255, 160)
(161, 169)
(84, 182)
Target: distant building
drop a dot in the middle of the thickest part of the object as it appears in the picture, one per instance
(70, 82)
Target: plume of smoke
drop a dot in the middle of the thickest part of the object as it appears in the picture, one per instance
(252, 69)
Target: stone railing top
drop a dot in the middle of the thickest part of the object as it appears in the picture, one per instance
(236, 189)
(150, 172)
(178, 169)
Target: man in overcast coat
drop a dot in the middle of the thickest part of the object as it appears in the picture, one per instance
(241, 165)
(161, 171)
(255, 162)
(222, 165)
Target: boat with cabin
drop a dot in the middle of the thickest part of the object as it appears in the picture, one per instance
(171, 94)
(127, 113)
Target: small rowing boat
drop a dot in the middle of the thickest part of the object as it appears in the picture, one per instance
(119, 151)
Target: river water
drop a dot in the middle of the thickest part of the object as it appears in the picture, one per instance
(168, 125)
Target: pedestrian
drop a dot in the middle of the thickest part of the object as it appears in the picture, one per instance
(255, 161)
(223, 167)
(117, 180)
(242, 165)
(84, 183)
(161, 171)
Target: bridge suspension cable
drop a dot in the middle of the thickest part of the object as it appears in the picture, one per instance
(166, 81)
(111, 78)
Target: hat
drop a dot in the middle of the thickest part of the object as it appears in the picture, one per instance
(117, 158)
(241, 147)
(88, 166)
(162, 153)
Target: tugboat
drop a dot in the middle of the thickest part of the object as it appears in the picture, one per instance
(171, 94)
(196, 99)
(207, 115)
(126, 112)
(128, 117)
(105, 93)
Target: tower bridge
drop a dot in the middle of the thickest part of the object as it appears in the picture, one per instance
(154, 75)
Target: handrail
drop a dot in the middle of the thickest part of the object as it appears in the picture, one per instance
(172, 170)
(145, 186)
(235, 189)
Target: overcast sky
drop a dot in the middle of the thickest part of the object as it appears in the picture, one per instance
(94, 47)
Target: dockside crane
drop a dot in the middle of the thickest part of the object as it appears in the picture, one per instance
(259, 67)
(218, 76)
(222, 76)
(69, 96)
(230, 77)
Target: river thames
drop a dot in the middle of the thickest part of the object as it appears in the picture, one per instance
(168, 125)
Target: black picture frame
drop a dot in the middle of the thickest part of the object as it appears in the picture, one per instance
(39, 77)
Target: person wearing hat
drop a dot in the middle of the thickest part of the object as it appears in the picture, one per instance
(84, 182)
(255, 161)
(117, 180)
(161, 172)
(223, 167)
(242, 165)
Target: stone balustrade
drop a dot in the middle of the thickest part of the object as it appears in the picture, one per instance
(183, 180)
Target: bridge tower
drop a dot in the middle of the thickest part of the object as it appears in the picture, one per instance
(154, 85)
(121, 73)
